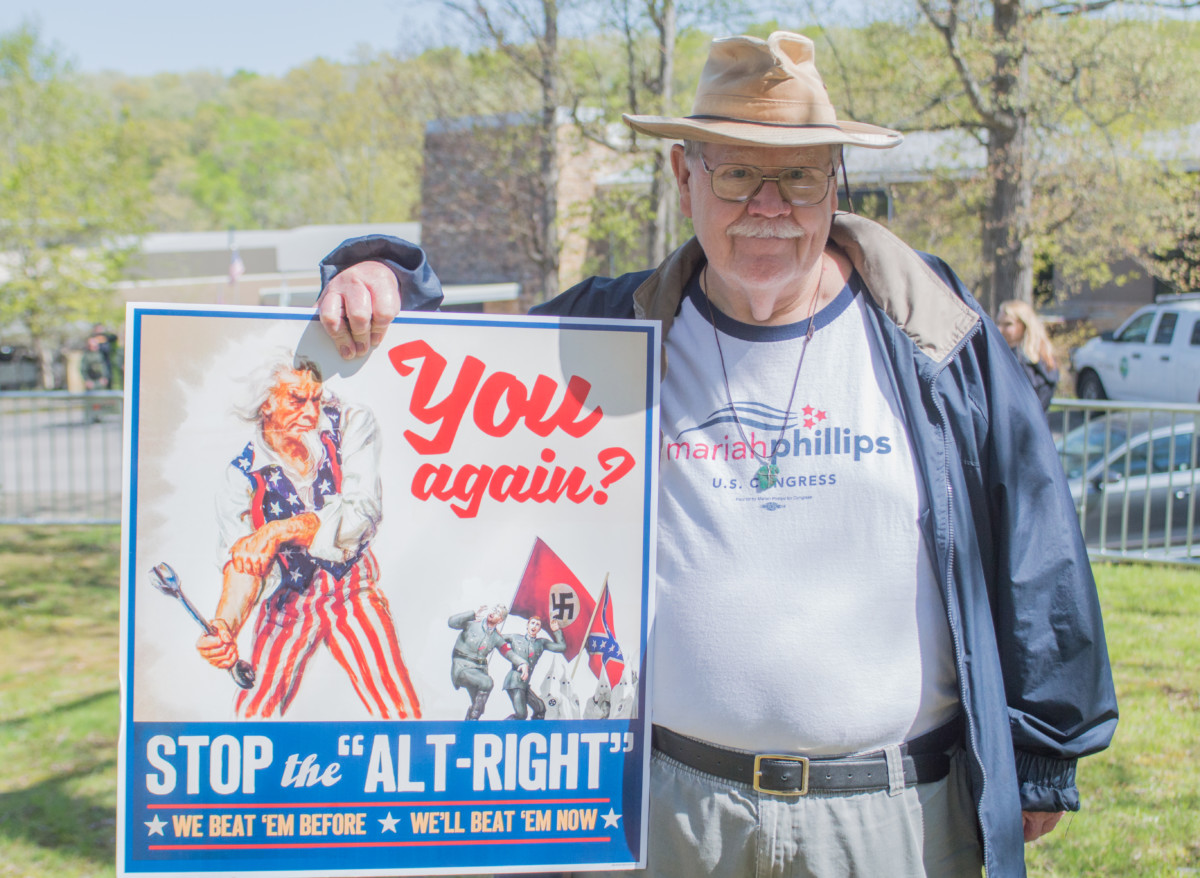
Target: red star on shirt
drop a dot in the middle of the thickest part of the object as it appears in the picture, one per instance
(808, 410)
(821, 416)
(808, 422)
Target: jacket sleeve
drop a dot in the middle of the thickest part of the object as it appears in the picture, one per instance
(595, 297)
(461, 620)
(420, 289)
(1046, 612)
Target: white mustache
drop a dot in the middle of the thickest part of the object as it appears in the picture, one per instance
(778, 227)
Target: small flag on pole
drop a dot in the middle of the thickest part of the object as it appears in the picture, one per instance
(604, 655)
(236, 267)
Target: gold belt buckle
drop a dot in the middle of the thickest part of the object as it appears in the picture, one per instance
(786, 757)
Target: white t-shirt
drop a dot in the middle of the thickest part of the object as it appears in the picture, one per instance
(803, 617)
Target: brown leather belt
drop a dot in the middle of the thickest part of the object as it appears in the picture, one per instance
(925, 759)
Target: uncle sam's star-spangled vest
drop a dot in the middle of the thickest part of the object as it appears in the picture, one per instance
(274, 498)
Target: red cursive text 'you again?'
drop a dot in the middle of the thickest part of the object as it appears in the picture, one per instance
(499, 402)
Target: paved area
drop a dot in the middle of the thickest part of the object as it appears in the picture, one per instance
(60, 459)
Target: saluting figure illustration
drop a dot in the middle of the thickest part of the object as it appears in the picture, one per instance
(529, 648)
(480, 635)
(297, 513)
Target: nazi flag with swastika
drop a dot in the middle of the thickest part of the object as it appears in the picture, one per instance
(550, 590)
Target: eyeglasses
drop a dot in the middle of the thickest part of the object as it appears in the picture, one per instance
(740, 183)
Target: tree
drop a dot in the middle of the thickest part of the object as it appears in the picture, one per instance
(646, 32)
(317, 145)
(661, 50)
(1056, 95)
(534, 53)
(995, 50)
(1177, 263)
(362, 165)
(246, 174)
(70, 196)
(161, 115)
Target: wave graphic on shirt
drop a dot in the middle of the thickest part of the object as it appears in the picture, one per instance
(750, 413)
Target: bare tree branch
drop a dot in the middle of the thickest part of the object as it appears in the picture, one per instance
(948, 28)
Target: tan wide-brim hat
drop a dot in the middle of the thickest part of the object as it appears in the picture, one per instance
(764, 93)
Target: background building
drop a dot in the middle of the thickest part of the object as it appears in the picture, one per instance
(268, 267)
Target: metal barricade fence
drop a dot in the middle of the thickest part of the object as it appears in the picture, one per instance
(60, 457)
(1133, 470)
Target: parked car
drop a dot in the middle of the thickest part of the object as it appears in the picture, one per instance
(1152, 356)
(1135, 475)
(18, 368)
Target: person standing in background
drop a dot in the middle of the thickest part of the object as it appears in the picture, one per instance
(105, 342)
(1029, 341)
(94, 367)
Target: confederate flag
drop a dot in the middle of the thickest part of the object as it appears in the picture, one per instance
(603, 652)
(549, 589)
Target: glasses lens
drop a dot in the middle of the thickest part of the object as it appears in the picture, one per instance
(735, 182)
(798, 185)
(803, 185)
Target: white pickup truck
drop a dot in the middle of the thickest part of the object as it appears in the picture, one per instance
(1153, 356)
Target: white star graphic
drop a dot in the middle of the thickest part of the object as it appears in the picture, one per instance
(244, 463)
(611, 818)
(274, 479)
(389, 822)
(156, 826)
(275, 509)
(294, 501)
(325, 487)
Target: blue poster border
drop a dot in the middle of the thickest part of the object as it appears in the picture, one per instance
(573, 842)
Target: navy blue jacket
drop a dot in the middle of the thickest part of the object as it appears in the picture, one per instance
(1033, 669)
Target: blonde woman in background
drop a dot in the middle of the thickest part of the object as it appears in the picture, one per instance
(1027, 337)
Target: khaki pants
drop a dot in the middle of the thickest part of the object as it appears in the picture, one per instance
(706, 826)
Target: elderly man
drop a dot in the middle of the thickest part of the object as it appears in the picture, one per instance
(906, 609)
(297, 512)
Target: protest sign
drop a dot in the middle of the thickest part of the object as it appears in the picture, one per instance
(385, 617)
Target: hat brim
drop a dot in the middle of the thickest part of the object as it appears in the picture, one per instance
(760, 134)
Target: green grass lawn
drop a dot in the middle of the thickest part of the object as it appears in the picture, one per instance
(58, 700)
(1141, 797)
(59, 710)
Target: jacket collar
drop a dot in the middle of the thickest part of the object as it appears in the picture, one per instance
(901, 283)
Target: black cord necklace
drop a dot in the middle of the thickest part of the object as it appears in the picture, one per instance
(768, 473)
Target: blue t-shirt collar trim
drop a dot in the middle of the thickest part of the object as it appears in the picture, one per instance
(784, 332)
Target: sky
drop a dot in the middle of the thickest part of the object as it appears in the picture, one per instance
(142, 37)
